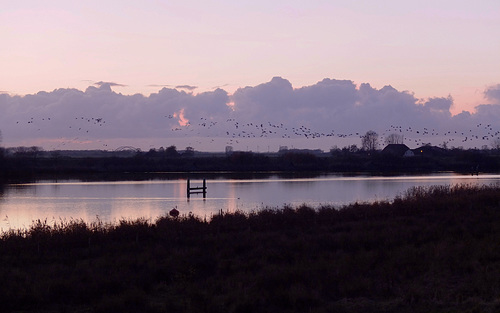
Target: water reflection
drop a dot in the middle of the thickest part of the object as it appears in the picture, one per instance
(112, 200)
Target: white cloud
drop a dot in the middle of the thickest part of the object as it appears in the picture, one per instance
(273, 111)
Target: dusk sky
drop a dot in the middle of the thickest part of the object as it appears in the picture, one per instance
(251, 74)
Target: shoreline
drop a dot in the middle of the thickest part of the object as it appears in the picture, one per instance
(432, 159)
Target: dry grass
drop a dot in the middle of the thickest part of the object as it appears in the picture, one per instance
(432, 249)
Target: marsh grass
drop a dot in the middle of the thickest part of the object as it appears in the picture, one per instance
(430, 249)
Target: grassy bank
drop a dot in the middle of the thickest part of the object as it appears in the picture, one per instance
(433, 249)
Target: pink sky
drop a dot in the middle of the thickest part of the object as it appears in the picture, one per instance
(431, 49)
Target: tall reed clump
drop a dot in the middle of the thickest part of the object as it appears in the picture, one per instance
(430, 249)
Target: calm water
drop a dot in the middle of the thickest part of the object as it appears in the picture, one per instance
(21, 204)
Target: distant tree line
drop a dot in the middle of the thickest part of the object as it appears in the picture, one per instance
(169, 152)
(34, 161)
(348, 159)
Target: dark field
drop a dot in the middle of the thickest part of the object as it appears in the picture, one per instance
(432, 250)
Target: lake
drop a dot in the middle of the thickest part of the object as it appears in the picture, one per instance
(110, 201)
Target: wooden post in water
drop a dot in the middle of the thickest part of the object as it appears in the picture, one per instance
(190, 190)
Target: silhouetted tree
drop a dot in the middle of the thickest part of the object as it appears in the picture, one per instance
(171, 151)
(394, 139)
(350, 149)
(27, 152)
(369, 142)
(151, 153)
(335, 150)
(189, 151)
(495, 144)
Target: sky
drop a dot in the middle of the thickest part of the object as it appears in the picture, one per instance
(153, 72)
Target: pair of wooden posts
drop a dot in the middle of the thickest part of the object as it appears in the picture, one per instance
(191, 190)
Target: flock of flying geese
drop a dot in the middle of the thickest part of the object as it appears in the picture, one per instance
(485, 133)
(233, 131)
(77, 129)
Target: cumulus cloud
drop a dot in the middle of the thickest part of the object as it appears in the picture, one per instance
(439, 104)
(331, 104)
(487, 113)
(493, 93)
(99, 114)
(341, 108)
(314, 116)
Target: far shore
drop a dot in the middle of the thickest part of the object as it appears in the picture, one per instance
(32, 164)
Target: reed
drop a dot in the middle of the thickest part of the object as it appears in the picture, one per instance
(430, 249)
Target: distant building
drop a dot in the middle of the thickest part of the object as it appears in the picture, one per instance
(400, 150)
(408, 153)
(430, 151)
